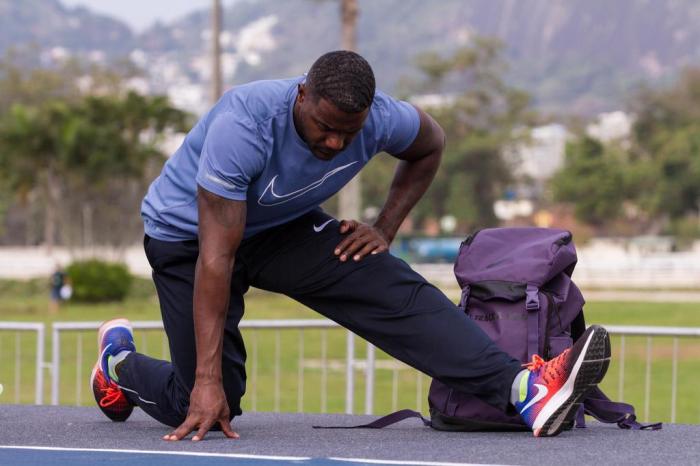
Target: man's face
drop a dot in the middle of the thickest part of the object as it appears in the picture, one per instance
(325, 129)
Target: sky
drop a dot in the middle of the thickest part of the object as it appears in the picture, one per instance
(140, 14)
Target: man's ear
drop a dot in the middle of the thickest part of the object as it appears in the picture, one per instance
(301, 95)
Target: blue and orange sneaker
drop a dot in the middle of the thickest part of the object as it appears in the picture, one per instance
(113, 337)
(551, 393)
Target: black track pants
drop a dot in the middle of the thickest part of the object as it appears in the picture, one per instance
(380, 298)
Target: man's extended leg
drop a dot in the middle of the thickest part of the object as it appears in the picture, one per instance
(162, 388)
(383, 300)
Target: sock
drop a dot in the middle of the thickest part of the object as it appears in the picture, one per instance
(518, 391)
(112, 362)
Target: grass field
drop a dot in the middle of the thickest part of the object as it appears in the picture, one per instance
(279, 386)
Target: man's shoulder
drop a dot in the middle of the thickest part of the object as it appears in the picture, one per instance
(383, 101)
(261, 100)
(383, 109)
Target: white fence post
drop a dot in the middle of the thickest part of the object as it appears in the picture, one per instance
(39, 328)
(349, 372)
(55, 363)
(39, 395)
(369, 376)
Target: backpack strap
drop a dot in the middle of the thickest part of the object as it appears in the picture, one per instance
(384, 421)
(578, 325)
(598, 405)
(532, 304)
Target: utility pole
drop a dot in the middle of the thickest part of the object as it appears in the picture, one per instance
(348, 16)
(349, 198)
(216, 87)
(349, 208)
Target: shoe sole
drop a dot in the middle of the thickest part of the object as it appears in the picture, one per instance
(110, 324)
(596, 359)
(113, 416)
(104, 327)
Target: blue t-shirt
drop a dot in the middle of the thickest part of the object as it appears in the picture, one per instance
(247, 148)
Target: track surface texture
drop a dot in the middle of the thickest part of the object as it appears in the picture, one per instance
(265, 435)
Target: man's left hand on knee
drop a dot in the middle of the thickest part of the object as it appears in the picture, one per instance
(362, 239)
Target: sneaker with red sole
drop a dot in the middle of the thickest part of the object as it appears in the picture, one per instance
(113, 337)
(552, 391)
(109, 397)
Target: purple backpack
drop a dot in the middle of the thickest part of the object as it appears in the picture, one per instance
(516, 285)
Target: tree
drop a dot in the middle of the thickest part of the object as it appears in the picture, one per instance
(479, 113)
(84, 155)
(593, 180)
(667, 145)
(32, 106)
(32, 155)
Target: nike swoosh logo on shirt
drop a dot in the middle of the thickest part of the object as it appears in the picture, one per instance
(541, 393)
(277, 199)
(318, 229)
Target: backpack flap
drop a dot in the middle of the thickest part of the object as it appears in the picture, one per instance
(521, 255)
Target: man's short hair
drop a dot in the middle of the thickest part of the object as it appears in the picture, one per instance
(344, 78)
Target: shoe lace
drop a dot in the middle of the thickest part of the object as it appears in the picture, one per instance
(555, 366)
(111, 395)
(535, 364)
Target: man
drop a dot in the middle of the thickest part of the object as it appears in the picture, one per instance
(237, 205)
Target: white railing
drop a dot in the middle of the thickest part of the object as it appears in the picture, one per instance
(368, 365)
(277, 325)
(19, 327)
(649, 332)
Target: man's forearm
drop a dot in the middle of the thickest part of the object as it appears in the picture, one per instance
(211, 298)
(411, 180)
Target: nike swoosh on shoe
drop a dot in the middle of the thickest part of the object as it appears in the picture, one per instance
(541, 393)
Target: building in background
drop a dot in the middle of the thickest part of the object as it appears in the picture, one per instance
(534, 163)
(611, 127)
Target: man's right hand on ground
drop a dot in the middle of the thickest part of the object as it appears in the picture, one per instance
(208, 406)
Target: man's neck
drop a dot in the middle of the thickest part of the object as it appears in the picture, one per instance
(297, 121)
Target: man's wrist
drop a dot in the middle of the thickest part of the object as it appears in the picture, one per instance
(385, 229)
(207, 376)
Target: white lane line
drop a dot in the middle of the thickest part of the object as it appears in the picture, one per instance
(159, 452)
(241, 456)
(415, 463)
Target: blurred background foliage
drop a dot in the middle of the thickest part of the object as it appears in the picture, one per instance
(78, 149)
(75, 160)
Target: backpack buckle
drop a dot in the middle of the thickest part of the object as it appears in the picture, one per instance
(532, 298)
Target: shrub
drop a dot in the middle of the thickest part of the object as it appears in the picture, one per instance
(96, 281)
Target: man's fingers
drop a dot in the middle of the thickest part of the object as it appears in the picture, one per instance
(381, 248)
(182, 431)
(226, 429)
(354, 245)
(347, 225)
(203, 429)
(347, 241)
(362, 241)
(369, 247)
